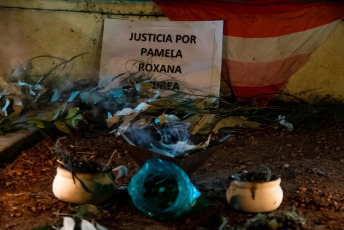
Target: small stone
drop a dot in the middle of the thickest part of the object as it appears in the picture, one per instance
(335, 204)
(9, 183)
(242, 167)
(341, 161)
(303, 189)
(321, 201)
(342, 208)
(250, 163)
(289, 145)
(286, 166)
(120, 154)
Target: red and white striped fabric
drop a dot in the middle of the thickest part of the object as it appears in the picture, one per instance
(265, 41)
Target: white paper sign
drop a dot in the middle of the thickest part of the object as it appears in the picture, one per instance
(178, 56)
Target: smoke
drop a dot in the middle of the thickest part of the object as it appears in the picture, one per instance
(172, 139)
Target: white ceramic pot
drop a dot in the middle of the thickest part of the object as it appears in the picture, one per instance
(91, 188)
(255, 196)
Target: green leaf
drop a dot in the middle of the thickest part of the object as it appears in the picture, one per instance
(62, 126)
(73, 122)
(36, 122)
(72, 112)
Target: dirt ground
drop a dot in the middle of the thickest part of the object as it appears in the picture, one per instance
(310, 164)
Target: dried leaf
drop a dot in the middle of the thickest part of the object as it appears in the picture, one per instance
(193, 121)
(205, 119)
(112, 120)
(161, 119)
(142, 107)
(141, 123)
(17, 105)
(126, 122)
(49, 116)
(164, 103)
(126, 111)
(171, 118)
(235, 121)
(143, 87)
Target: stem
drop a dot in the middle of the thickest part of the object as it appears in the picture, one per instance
(55, 67)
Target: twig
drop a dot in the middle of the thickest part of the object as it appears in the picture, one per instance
(55, 67)
(62, 214)
(27, 193)
(49, 148)
(60, 162)
(111, 158)
(86, 153)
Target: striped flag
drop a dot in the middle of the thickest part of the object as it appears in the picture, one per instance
(265, 41)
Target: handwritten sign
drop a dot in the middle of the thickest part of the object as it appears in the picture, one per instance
(178, 56)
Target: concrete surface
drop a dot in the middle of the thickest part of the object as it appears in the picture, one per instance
(12, 143)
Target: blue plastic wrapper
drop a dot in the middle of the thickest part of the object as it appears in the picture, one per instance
(162, 190)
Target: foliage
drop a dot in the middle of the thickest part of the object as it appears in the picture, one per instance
(27, 97)
(284, 219)
(49, 99)
(81, 218)
(68, 161)
(290, 218)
